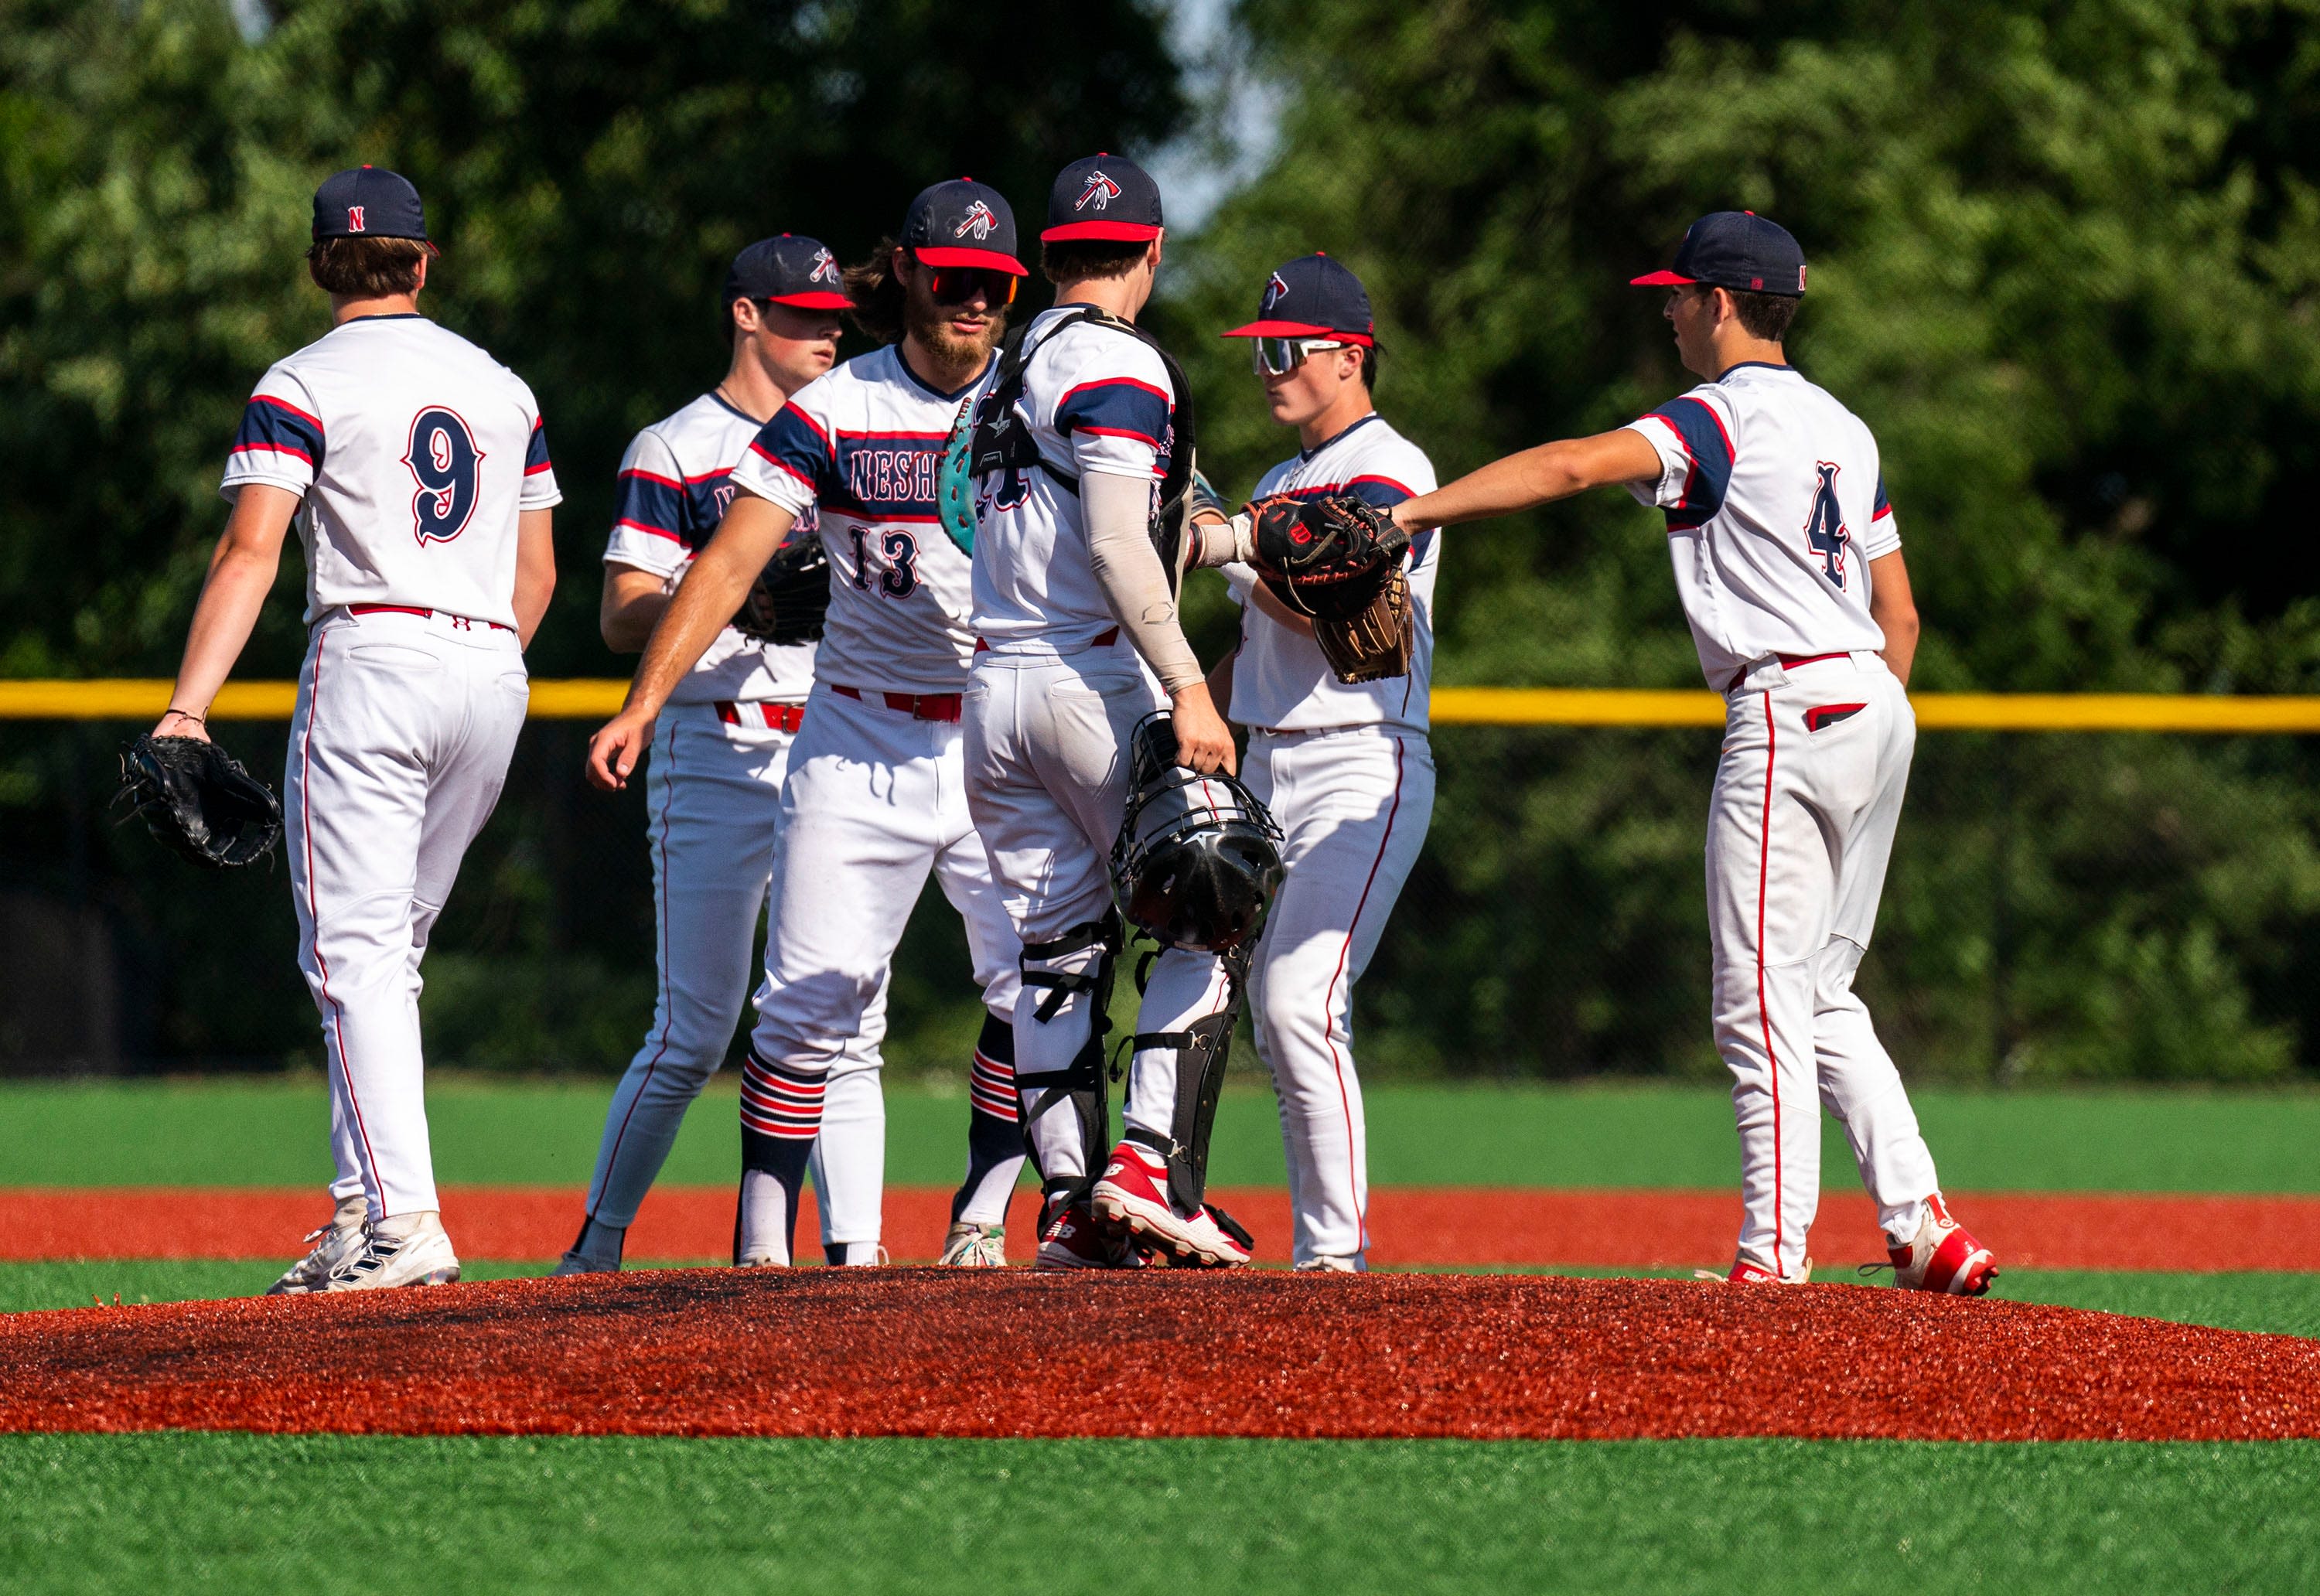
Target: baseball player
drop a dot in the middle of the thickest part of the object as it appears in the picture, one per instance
(1075, 607)
(874, 797)
(1789, 566)
(418, 473)
(713, 795)
(1345, 768)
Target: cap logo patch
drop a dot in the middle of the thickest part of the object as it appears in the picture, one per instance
(1099, 188)
(1275, 290)
(977, 222)
(1755, 282)
(825, 268)
(1800, 277)
(354, 218)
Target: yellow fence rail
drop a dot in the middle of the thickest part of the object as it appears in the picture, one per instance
(586, 699)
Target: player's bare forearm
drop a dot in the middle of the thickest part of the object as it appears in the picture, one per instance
(633, 604)
(242, 569)
(1536, 476)
(535, 570)
(712, 590)
(1895, 610)
(1268, 601)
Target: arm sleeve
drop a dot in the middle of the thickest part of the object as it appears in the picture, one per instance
(279, 442)
(1127, 566)
(648, 518)
(789, 459)
(1694, 444)
(539, 489)
(1116, 424)
(1884, 534)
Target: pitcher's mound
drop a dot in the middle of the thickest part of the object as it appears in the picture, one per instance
(927, 1352)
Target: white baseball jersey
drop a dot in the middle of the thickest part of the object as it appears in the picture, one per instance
(673, 490)
(1281, 680)
(1775, 506)
(1097, 400)
(863, 442)
(414, 450)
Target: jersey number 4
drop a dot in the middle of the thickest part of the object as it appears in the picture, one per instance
(444, 460)
(1824, 527)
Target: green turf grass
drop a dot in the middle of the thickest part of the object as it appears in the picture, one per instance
(273, 1133)
(2284, 1304)
(324, 1514)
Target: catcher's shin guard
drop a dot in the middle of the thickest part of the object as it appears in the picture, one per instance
(1084, 1083)
(1201, 1051)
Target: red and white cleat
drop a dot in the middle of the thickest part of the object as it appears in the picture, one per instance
(1943, 1256)
(1747, 1271)
(1071, 1239)
(1134, 1193)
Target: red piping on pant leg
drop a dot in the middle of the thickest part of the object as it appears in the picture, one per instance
(314, 914)
(1764, 1014)
(1345, 956)
(667, 995)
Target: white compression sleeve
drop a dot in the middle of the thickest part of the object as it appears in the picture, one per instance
(1127, 568)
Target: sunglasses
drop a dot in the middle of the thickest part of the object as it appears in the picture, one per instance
(955, 285)
(1278, 357)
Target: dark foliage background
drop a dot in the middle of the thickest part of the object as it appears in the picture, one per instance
(2063, 260)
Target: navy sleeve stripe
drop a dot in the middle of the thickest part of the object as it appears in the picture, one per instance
(269, 424)
(1709, 451)
(794, 442)
(535, 453)
(651, 504)
(1883, 508)
(1116, 407)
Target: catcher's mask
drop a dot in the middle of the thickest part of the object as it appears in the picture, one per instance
(1198, 858)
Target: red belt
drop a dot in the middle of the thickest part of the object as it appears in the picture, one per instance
(1103, 640)
(458, 620)
(923, 706)
(1790, 660)
(776, 717)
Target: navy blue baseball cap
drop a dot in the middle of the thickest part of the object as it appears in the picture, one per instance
(1736, 249)
(789, 270)
(1313, 296)
(1104, 196)
(962, 222)
(370, 202)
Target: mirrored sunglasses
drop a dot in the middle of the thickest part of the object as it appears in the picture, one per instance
(1278, 357)
(955, 285)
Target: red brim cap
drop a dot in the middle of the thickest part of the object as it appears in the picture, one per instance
(1297, 330)
(1660, 279)
(814, 302)
(989, 259)
(1125, 232)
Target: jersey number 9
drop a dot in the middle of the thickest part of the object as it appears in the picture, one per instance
(445, 461)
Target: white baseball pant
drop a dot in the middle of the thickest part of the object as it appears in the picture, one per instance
(712, 811)
(405, 725)
(1353, 804)
(875, 801)
(1047, 741)
(1807, 796)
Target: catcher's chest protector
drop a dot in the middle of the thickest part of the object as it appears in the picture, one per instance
(996, 438)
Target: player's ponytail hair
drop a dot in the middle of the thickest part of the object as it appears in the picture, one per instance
(876, 293)
(366, 269)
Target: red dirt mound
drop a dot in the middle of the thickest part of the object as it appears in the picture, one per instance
(1009, 1353)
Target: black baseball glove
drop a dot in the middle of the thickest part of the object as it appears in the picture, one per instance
(198, 800)
(791, 597)
(1337, 561)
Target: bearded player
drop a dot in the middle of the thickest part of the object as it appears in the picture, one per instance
(875, 798)
(1345, 767)
(1077, 614)
(1789, 566)
(712, 793)
(417, 470)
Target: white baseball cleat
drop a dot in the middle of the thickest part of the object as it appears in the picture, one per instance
(760, 1261)
(1133, 1193)
(1333, 1264)
(1943, 1256)
(970, 1246)
(1747, 1270)
(327, 1248)
(415, 1252)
